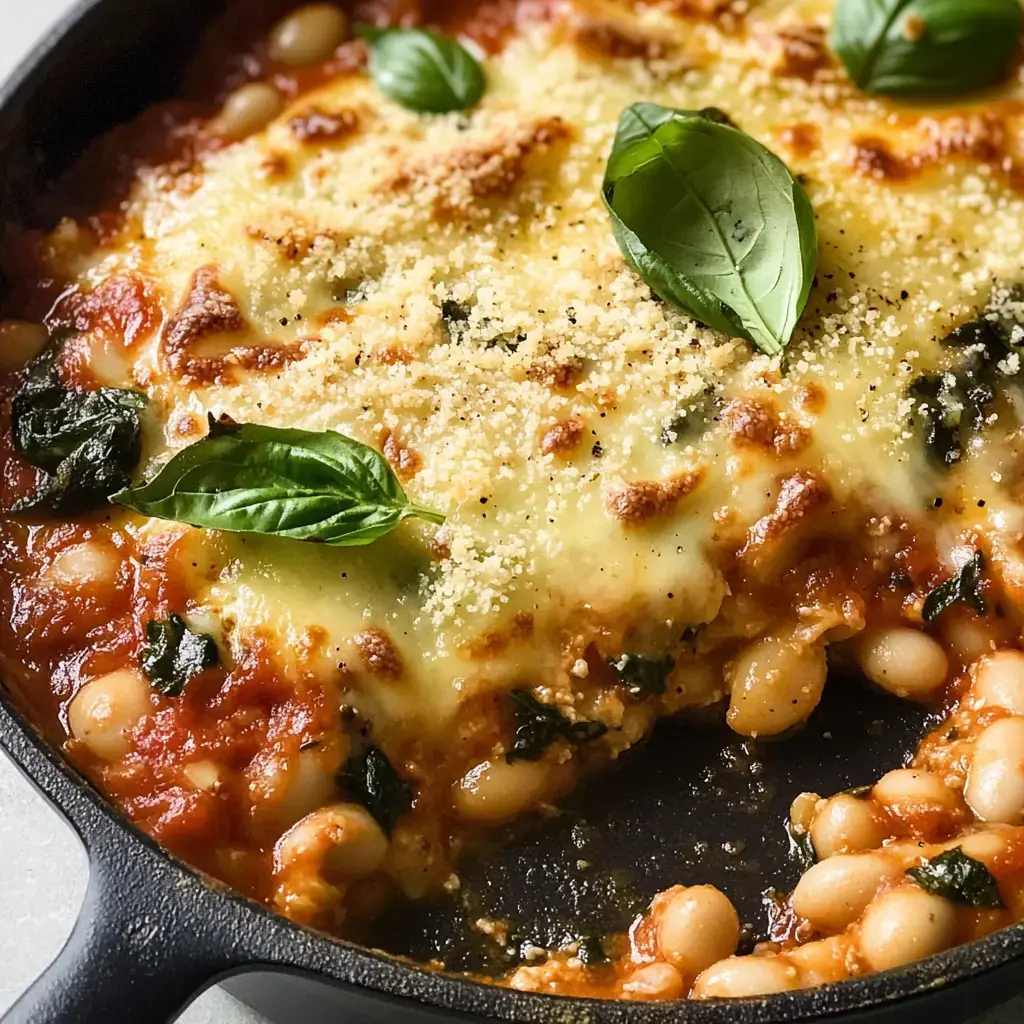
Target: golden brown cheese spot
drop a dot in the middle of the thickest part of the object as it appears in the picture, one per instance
(379, 654)
(492, 642)
(210, 311)
(123, 308)
(639, 501)
(800, 139)
(605, 29)
(406, 462)
(984, 137)
(558, 377)
(749, 424)
(800, 496)
(455, 181)
(318, 125)
(562, 438)
(800, 51)
(812, 397)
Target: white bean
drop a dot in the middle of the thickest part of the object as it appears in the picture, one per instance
(835, 892)
(20, 341)
(999, 681)
(495, 791)
(846, 824)
(741, 976)
(774, 684)
(248, 109)
(92, 562)
(903, 661)
(911, 792)
(339, 840)
(105, 710)
(698, 927)
(821, 961)
(308, 35)
(906, 925)
(995, 781)
(654, 982)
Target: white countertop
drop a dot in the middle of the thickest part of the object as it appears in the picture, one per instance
(43, 874)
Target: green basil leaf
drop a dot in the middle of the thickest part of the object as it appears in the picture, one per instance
(422, 70)
(539, 725)
(642, 673)
(801, 848)
(962, 587)
(712, 221)
(962, 879)
(87, 441)
(299, 484)
(926, 47)
(371, 780)
(173, 654)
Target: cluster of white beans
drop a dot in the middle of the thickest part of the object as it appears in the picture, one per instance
(776, 682)
(307, 36)
(863, 912)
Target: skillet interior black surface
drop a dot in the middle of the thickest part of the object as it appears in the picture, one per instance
(663, 816)
(696, 803)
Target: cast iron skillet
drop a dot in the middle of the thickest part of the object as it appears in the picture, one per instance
(693, 804)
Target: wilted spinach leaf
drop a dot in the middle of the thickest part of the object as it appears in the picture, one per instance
(962, 587)
(642, 673)
(173, 654)
(712, 221)
(87, 441)
(962, 879)
(539, 725)
(370, 780)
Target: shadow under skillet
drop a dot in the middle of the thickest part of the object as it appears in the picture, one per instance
(693, 804)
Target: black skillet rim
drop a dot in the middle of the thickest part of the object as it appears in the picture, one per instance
(278, 942)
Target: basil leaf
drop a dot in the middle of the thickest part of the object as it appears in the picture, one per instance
(174, 654)
(87, 441)
(300, 484)
(961, 587)
(539, 725)
(642, 673)
(712, 221)
(421, 70)
(370, 780)
(962, 879)
(925, 47)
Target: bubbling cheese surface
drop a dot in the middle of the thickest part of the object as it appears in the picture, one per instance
(460, 301)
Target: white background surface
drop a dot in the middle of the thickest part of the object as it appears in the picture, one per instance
(42, 864)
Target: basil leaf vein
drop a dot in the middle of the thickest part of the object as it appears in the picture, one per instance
(297, 484)
(88, 442)
(925, 47)
(422, 70)
(956, 876)
(712, 221)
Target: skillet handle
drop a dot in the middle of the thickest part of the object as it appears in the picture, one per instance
(137, 954)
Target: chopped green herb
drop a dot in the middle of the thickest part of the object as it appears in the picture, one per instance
(642, 673)
(539, 725)
(370, 780)
(962, 587)
(962, 879)
(591, 950)
(173, 654)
